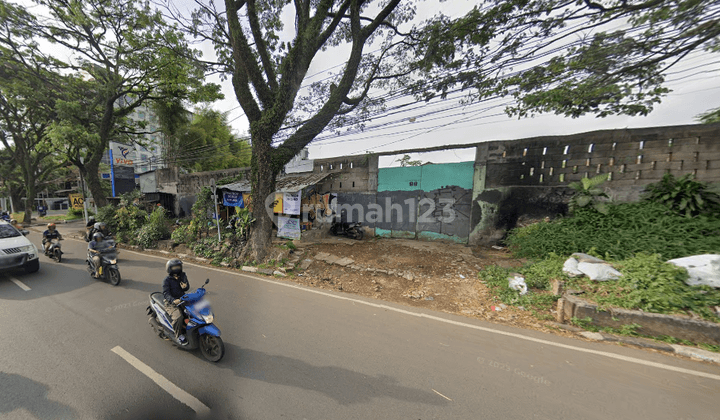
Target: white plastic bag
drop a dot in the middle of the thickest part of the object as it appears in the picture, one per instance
(518, 283)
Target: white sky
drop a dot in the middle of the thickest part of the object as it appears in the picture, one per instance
(693, 92)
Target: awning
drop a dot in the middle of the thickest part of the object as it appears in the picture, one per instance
(287, 183)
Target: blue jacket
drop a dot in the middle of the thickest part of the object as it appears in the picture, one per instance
(172, 289)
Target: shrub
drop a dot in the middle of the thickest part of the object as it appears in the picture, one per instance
(587, 192)
(106, 214)
(129, 218)
(154, 230)
(684, 196)
(627, 228)
(182, 235)
(650, 284)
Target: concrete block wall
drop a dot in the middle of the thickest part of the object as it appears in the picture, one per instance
(185, 187)
(349, 174)
(192, 183)
(529, 177)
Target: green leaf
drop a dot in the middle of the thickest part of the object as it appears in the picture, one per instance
(583, 200)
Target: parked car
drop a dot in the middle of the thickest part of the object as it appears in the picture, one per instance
(16, 250)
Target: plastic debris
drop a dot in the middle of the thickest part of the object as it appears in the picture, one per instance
(518, 283)
(461, 276)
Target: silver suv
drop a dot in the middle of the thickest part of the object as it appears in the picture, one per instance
(16, 250)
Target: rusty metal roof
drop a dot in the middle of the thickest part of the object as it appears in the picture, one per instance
(286, 183)
(242, 186)
(294, 183)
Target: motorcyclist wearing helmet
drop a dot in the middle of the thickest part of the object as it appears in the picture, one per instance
(50, 234)
(175, 285)
(95, 247)
(102, 228)
(89, 228)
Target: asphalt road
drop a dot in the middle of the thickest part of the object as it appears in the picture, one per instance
(72, 347)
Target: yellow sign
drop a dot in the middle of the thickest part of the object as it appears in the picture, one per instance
(278, 203)
(76, 201)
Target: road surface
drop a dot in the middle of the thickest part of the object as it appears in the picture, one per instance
(76, 348)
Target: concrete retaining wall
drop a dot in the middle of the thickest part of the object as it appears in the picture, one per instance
(695, 330)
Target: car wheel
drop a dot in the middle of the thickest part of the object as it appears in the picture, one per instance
(32, 266)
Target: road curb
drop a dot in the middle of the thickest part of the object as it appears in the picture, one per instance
(691, 352)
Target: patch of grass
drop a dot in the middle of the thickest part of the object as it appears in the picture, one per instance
(537, 278)
(584, 323)
(626, 229)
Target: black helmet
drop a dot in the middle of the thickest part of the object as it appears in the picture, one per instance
(174, 266)
(97, 236)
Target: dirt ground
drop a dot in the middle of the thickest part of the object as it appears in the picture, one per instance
(433, 275)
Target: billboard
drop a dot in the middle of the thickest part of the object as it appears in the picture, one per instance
(122, 168)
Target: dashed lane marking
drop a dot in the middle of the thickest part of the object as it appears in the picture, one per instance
(163, 382)
(20, 284)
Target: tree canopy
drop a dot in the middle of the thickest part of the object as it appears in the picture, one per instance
(203, 143)
(268, 71)
(123, 54)
(567, 57)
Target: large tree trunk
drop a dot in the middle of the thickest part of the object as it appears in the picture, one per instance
(263, 186)
(30, 201)
(92, 177)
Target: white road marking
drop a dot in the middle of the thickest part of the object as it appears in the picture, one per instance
(463, 324)
(165, 384)
(20, 284)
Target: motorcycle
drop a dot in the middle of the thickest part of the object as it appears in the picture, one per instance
(53, 249)
(352, 230)
(108, 269)
(198, 317)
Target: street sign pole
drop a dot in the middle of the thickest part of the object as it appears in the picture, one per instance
(217, 210)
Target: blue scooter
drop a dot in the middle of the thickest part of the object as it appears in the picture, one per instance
(199, 328)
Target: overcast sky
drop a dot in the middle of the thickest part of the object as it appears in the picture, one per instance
(695, 89)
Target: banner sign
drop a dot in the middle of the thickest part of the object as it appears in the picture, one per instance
(121, 154)
(76, 201)
(291, 203)
(233, 199)
(288, 227)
